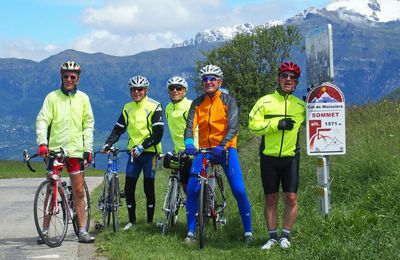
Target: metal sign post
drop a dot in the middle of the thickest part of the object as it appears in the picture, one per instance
(325, 110)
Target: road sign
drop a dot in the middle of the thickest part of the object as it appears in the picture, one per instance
(325, 115)
(319, 55)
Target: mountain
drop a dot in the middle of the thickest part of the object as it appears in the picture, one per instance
(354, 11)
(366, 61)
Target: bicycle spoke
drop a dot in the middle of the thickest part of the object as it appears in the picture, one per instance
(51, 226)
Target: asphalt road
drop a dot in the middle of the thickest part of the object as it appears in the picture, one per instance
(17, 228)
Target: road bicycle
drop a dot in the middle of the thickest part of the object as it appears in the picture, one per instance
(110, 198)
(54, 205)
(211, 200)
(174, 198)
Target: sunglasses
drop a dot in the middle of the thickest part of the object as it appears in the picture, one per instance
(286, 75)
(73, 77)
(209, 78)
(177, 88)
(137, 89)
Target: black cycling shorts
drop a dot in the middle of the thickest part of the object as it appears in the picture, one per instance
(279, 170)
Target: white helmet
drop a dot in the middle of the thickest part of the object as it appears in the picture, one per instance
(138, 82)
(211, 70)
(177, 81)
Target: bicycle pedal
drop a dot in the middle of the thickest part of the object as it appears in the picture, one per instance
(222, 221)
(160, 225)
(98, 226)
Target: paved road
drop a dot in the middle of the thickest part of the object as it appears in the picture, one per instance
(17, 228)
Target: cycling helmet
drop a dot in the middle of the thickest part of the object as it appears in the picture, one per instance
(138, 82)
(211, 70)
(289, 66)
(70, 66)
(177, 81)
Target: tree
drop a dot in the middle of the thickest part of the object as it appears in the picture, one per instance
(249, 63)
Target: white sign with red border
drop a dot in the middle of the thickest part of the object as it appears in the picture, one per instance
(325, 115)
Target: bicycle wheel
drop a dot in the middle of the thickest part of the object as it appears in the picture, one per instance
(75, 223)
(202, 212)
(219, 195)
(114, 201)
(170, 204)
(51, 225)
(104, 200)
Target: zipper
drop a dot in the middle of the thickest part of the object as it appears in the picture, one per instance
(209, 125)
(283, 131)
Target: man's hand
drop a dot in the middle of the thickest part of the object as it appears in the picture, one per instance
(87, 157)
(190, 149)
(286, 124)
(105, 148)
(218, 150)
(137, 150)
(43, 150)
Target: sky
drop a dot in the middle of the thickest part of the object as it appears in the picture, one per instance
(37, 29)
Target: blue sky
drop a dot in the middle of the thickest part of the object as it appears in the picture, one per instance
(36, 29)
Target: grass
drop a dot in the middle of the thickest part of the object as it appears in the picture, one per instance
(17, 169)
(363, 222)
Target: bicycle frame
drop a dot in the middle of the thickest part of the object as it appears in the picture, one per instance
(173, 198)
(106, 201)
(51, 200)
(207, 206)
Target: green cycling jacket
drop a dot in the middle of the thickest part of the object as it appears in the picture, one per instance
(66, 120)
(264, 118)
(144, 122)
(177, 114)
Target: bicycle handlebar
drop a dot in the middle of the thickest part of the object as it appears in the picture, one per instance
(52, 154)
(114, 151)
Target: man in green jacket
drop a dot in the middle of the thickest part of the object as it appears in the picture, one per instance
(142, 119)
(176, 113)
(66, 120)
(277, 117)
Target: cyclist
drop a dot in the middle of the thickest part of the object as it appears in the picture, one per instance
(66, 120)
(142, 119)
(176, 113)
(278, 117)
(216, 116)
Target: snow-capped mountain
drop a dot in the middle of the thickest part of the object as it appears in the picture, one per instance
(354, 11)
(222, 33)
(374, 10)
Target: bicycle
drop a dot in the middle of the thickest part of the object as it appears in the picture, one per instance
(54, 206)
(211, 201)
(110, 197)
(174, 199)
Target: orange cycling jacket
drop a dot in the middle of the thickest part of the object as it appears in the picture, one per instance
(217, 119)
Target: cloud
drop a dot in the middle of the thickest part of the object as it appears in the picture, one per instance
(27, 49)
(126, 27)
(121, 45)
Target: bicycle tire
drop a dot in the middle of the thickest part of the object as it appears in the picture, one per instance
(167, 207)
(202, 212)
(87, 210)
(219, 194)
(177, 204)
(58, 223)
(114, 202)
(104, 198)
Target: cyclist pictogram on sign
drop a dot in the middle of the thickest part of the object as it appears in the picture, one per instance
(326, 121)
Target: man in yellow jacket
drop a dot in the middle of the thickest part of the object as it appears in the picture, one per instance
(142, 119)
(277, 117)
(66, 120)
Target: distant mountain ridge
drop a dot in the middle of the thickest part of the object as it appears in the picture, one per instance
(355, 11)
(366, 57)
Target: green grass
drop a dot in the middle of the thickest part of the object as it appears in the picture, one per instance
(17, 169)
(363, 222)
